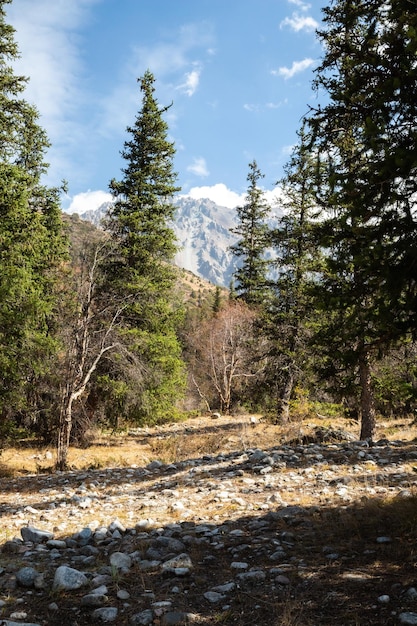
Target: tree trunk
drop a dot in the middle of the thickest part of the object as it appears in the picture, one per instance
(64, 434)
(283, 408)
(368, 420)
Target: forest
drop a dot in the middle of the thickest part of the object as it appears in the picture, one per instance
(98, 328)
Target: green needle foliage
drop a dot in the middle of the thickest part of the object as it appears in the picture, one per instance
(290, 314)
(252, 229)
(366, 139)
(32, 246)
(144, 246)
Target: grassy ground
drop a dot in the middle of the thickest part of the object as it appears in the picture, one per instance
(169, 444)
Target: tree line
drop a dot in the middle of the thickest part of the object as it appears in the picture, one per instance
(323, 302)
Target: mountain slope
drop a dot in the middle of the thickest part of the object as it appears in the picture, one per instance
(202, 228)
(203, 233)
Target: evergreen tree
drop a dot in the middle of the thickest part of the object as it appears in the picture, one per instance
(217, 300)
(288, 317)
(140, 225)
(366, 139)
(31, 241)
(251, 276)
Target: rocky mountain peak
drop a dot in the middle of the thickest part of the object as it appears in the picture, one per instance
(202, 228)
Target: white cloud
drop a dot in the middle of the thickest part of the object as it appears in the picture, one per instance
(199, 167)
(301, 4)
(300, 22)
(276, 105)
(219, 194)
(190, 85)
(296, 68)
(88, 201)
(252, 108)
(273, 196)
(259, 108)
(51, 59)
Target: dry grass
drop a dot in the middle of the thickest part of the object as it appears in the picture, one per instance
(179, 441)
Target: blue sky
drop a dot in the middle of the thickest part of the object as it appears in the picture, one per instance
(238, 73)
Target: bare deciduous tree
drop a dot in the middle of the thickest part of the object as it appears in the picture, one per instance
(90, 333)
(224, 355)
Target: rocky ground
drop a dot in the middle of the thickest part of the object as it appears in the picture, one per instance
(319, 530)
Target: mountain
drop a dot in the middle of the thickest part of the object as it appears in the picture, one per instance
(95, 216)
(203, 232)
(202, 228)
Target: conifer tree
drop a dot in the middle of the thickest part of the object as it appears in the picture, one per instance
(366, 138)
(140, 225)
(31, 241)
(251, 275)
(288, 317)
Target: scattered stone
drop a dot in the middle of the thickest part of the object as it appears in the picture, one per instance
(105, 615)
(144, 618)
(237, 514)
(239, 565)
(35, 535)
(179, 565)
(410, 619)
(154, 465)
(253, 577)
(411, 593)
(226, 588)
(67, 579)
(117, 525)
(8, 622)
(26, 576)
(121, 561)
(384, 599)
(94, 599)
(214, 597)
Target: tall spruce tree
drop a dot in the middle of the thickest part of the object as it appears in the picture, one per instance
(252, 229)
(289, 316)
(31, 241)
(366, 139)
(140, 225)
